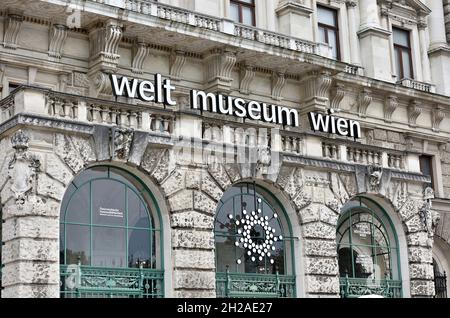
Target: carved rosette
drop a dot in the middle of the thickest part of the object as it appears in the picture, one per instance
(22, 169)
(122, 139)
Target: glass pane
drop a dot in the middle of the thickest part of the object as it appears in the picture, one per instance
(398, 63)
(247, 15)
(78, 207)
(108, 202)
(92, 173)
(67, 195)
(78, 244)
(401, 37)
(137, 211)
(247, 1)
(383, 266)
(227, 254)
(139, 249)
(108, 247)
(406, 64)
(61, 244)
(322, 35)
(333, 42)
(223, 223)
(326, 16)
(234, 12)
(363, 262)
(345, 262)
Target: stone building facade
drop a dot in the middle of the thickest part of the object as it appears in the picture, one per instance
(106, 195)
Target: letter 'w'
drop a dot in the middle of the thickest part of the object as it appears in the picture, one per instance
(318, 123)
(118, 89)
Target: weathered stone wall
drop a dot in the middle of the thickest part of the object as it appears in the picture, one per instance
(446, 171)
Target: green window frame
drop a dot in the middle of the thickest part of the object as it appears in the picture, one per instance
(138, 227)
(367, 241)
(239, 275)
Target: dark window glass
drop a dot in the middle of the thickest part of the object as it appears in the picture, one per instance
(402, 51)
(108, 247)
(106, 221)
(329, 29)
(77, 244)
(366, 242)
(426, 167)
(243, 11)
(108, 202)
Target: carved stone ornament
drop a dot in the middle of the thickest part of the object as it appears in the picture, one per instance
(375, 175)
(121, 143)
(429, 218)
(22, 168)
(264, 159)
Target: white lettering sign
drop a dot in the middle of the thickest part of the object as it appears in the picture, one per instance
(115, 213)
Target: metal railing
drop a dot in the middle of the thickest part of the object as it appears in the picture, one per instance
(237, 285)
(358, 287)
(440, 285)
(79, 281)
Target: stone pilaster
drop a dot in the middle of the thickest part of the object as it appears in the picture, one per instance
(31, 228)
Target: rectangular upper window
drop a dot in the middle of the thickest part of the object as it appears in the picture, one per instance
(426, 167)
(329, 29)
(402, 52)
(243, 11)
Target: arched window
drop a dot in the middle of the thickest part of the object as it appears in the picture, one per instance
(367, 251)
(111, 237)
(254, 246)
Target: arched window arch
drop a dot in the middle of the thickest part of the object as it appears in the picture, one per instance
(111, 236)
(368, 253)
(253, 244)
